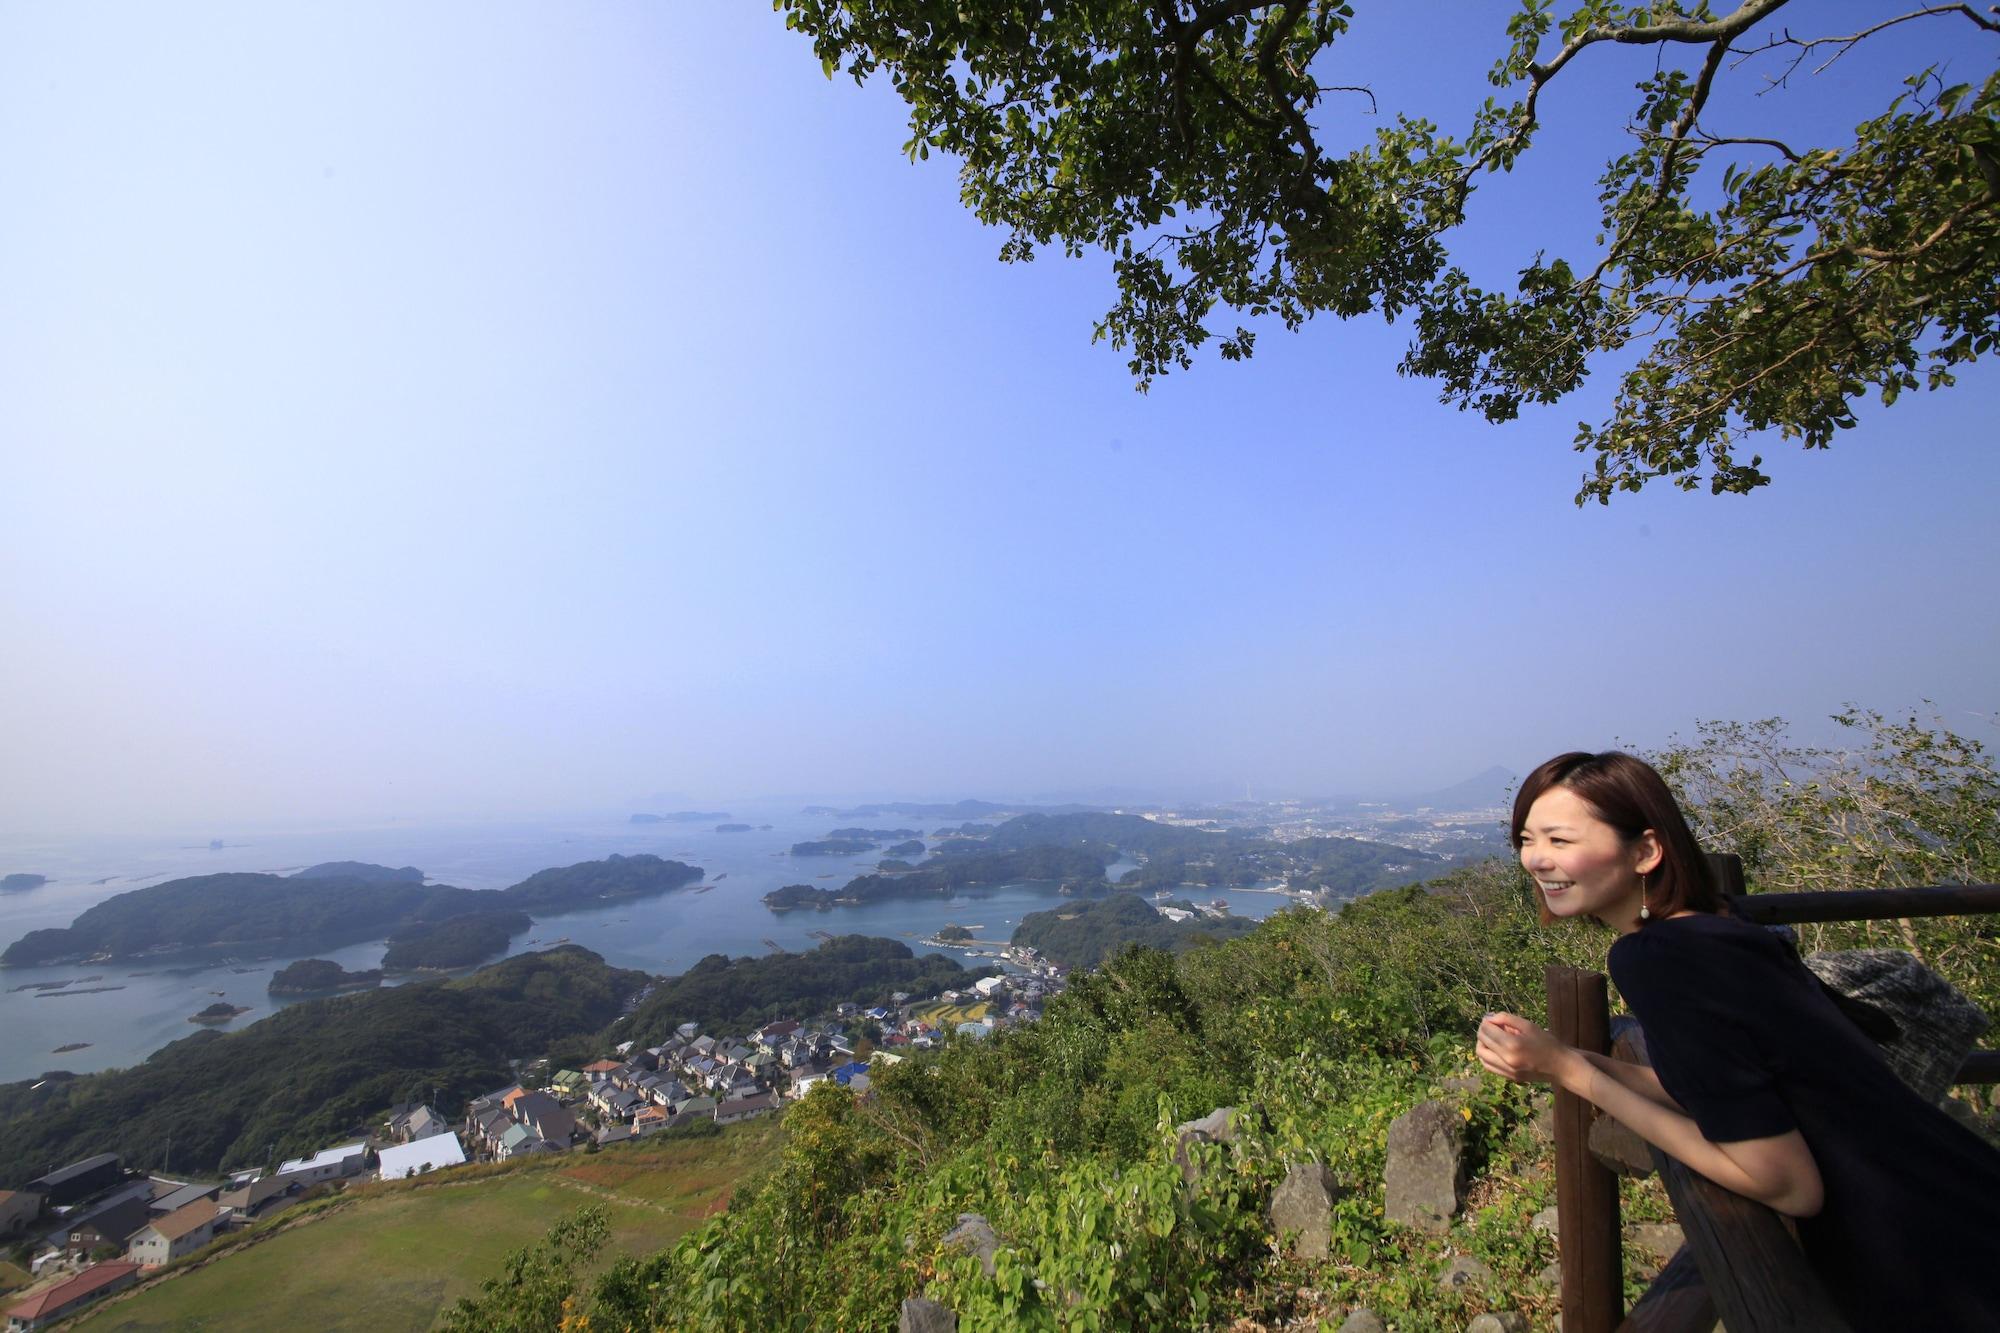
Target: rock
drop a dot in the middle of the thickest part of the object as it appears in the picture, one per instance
(1619, 1149)
(1363, 1320)
(1425, 1177)
(975, 1235)
(1658, 1241)
(1543, 1126)
(1463, 1271)
(1548, 1221)
(1218, 1126)
(1498, 1321)
(1303, 1203)
(921, 1314)
(1463, 1085)
(1552, 1276)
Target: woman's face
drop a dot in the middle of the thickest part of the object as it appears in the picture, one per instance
(1581, 864)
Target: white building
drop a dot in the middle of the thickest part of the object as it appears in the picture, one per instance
(414, 1158)
(328, 1164)
(180, 1232)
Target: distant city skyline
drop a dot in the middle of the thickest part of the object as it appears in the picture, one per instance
(489, 411)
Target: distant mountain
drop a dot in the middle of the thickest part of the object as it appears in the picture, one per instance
(954, 810)
(1483, 791)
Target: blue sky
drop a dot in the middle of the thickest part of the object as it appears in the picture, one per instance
(437, 410)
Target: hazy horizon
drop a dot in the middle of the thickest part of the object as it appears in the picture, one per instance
(502, 410)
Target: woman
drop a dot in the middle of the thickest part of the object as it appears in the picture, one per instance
(1757, 1081)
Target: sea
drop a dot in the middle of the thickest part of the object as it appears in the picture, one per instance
(116, 1014)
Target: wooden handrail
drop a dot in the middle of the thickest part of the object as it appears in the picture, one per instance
(1586, 1192)
(1772, 909)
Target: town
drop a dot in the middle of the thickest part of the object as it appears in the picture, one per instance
(94, 1228)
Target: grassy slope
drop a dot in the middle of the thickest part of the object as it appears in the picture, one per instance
(397, 1255)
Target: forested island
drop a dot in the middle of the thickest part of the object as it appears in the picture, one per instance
(219, 1012)
(732, 828)
(22, 880)
(1081, 872)
(875, 834)
(738, 994)
(294, 1081)
(832, 847)
(320, 976)
(458, 941)
(1085, 934)
(681, 817)
(913, 847)
(339, 902)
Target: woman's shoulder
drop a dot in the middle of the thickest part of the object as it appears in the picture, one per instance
(1699, 949)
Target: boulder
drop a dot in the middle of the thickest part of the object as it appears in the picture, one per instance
(1303, 1203)
(975, 1236)
(1551, 1276)
(1218, 1126)
(921, 1314)
(1463, 1085)
(1618, 1148)
(1463, 1271)
(1498, 1321)
(1363, 1320)
(1425, 1177)
(1547, 1221)
(1658, 1241)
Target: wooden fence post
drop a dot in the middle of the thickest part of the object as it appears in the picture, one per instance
(1586, 1192)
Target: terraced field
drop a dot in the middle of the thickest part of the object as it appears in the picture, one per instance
(395, 1255)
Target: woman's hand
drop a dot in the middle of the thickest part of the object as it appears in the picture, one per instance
(1517, 1050)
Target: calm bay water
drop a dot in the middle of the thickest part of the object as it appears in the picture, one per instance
(664, 934)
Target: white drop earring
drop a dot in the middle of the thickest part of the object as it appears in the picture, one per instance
(1645, 912)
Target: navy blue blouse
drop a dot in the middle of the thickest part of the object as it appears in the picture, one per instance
(1744, 1038)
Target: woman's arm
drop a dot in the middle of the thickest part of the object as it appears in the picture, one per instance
(1778, 1171)
(1640, 1078)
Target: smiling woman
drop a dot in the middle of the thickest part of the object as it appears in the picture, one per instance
(1758, 1081)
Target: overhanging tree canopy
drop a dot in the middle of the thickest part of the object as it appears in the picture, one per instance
(1760, 284)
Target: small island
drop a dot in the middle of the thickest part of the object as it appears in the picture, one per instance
(955, 934)
(733, 828)
(681, 817)
(220, 1012)
(798, 895)
(320, 976)
(69, 1046)
(832, 847)
(23, 881)
(914, 847)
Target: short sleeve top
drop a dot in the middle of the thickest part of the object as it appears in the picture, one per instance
(1747, 1041)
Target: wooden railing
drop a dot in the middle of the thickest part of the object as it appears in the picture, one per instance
(1741, 1262)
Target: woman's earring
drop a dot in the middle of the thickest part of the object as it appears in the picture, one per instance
(1645, 912)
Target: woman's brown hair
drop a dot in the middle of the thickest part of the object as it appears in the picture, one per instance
(1629, 796)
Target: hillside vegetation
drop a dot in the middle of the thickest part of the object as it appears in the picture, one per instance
(298, 1079)
(736, 995)
(1324, 1027)
(1085, 934)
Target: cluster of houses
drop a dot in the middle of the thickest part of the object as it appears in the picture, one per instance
(95, 1209)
